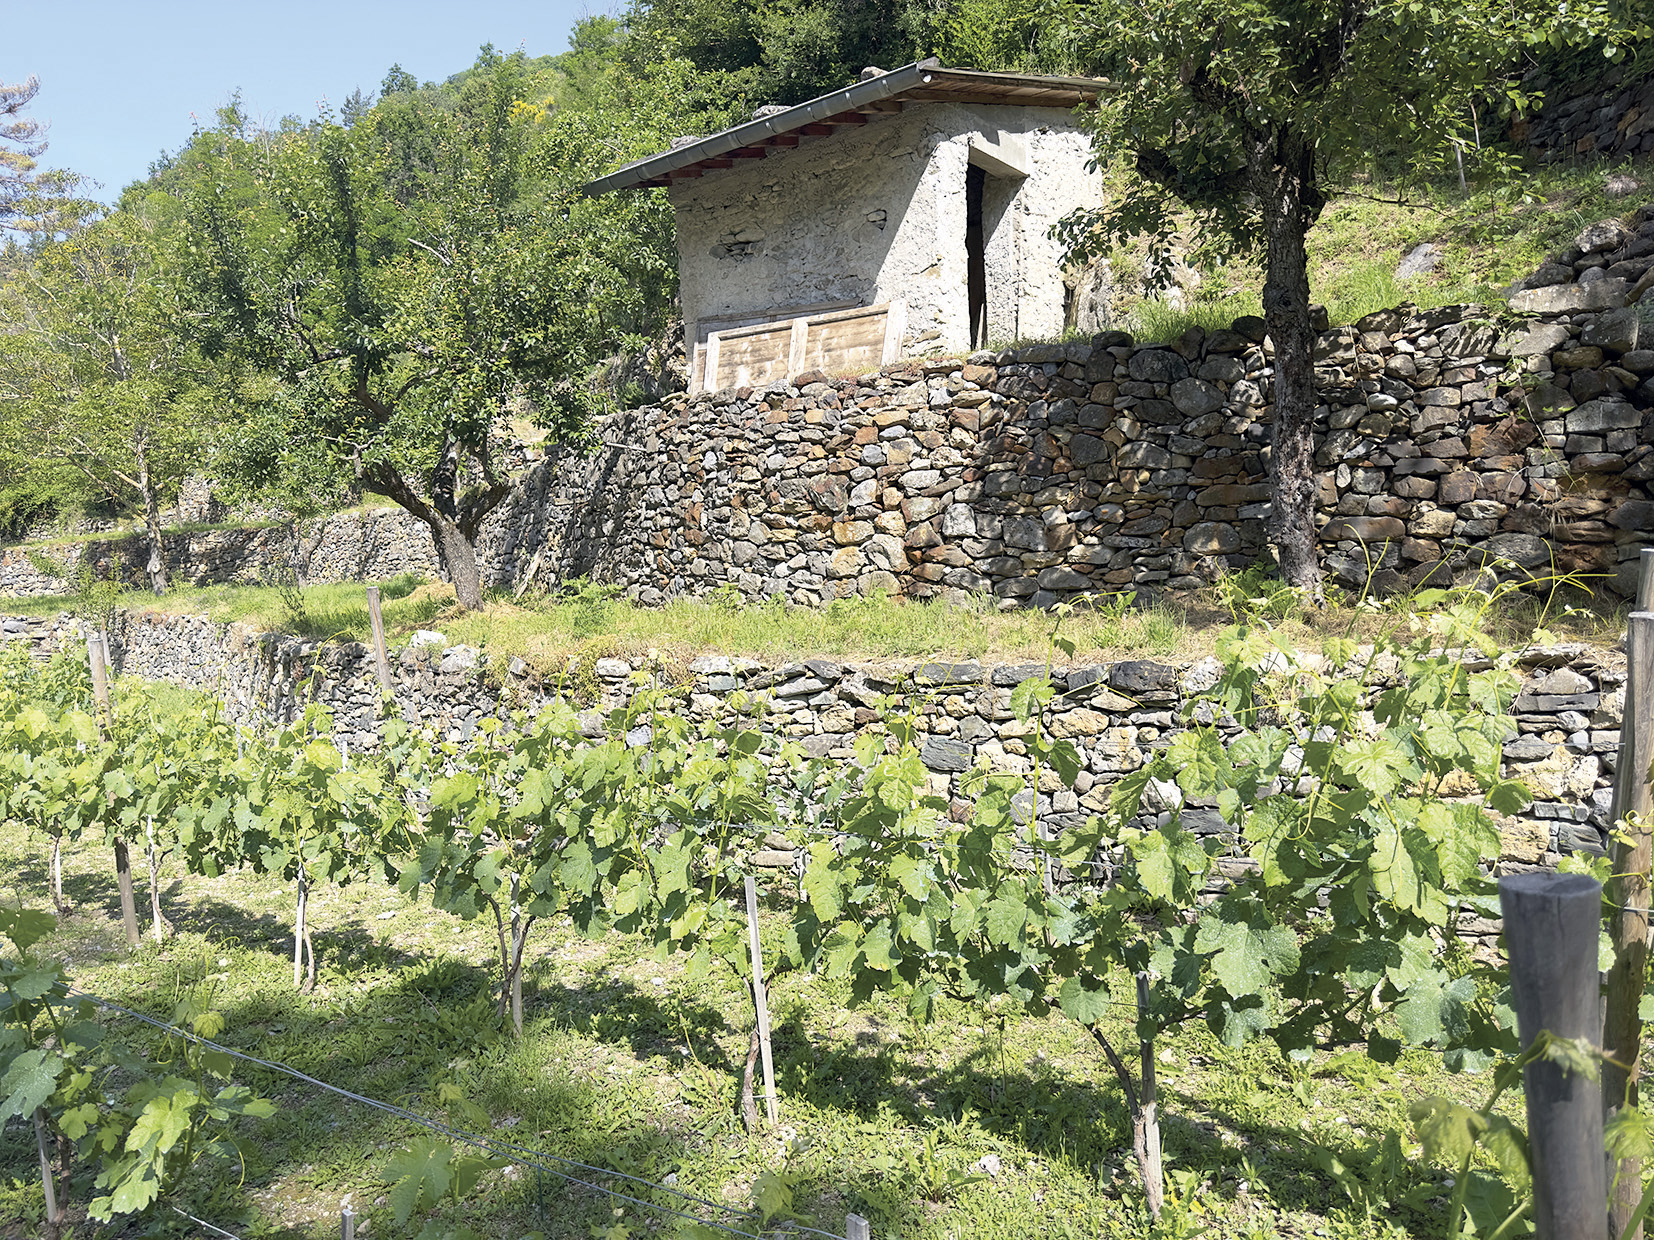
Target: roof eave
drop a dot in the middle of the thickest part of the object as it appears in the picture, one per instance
(847, 99)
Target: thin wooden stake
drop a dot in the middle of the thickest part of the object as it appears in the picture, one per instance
(299, 929)
(53, 1214)
(1148, 1129)
(857, 1228)
(96, 655)
(1645, 580)
(1551, 927)
(760, 1001)
(158, 923)
(381, 657)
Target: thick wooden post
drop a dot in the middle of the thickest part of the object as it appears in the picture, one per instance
(97, 660)
(760, 1001)
(97, 657)
(1551, 927)
(1633, 857)
(381, 657)
(857, 1228)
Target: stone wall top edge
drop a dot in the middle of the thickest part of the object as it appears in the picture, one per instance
(1147, 672)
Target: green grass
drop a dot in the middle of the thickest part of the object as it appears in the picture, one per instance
(1488, 238)
(586, 622)
(629, 1063)
(549, 631)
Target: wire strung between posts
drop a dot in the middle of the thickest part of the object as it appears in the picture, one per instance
(201, 1222)
(522, 1153)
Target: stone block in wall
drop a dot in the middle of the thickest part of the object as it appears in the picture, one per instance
(1603, 415)
(1571, 298)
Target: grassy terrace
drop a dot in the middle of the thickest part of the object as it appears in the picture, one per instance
(591, 621)
(977, 1125)
(1484, 240)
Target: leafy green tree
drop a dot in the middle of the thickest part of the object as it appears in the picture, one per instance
(100, 391)
(411, 280)
(1249, 114)
(786, 51)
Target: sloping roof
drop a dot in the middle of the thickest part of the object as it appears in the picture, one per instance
(923, 82)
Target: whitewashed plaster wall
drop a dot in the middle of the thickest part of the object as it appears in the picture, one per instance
(876, 214)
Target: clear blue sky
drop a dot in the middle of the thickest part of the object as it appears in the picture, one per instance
(119, 80)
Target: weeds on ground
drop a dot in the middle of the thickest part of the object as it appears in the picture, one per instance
(964, 1126)
(585, 622)
(1484, 238)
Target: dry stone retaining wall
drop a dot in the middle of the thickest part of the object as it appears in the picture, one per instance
(365, 546)
(1450, 440)
(1565, 747)
(1615, 116)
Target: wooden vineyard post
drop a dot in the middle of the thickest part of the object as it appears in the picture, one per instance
(97, 657)
(54, 1214)
(1148, 1123)
(1551, 927)
(760, 1001)
(1632, 852)
(857, 1228)
(381, 657)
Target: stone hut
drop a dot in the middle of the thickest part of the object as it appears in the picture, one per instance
(907, 211)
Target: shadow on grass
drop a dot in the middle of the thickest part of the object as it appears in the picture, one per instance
(397, 1026)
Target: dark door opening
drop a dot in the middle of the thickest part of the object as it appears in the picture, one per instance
(976, 256)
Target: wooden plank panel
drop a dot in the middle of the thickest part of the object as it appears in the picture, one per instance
(852, 342)
(750, 356)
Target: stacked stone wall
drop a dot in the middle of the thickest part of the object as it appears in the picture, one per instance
(358, 546)
(1613, 115)
(1116, 714)
(1451, 441)
(1515, 439)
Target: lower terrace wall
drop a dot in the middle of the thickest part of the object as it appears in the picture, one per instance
(357, 546)
(1567, 739)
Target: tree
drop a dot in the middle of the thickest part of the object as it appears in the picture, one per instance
(33, 200)
(21, 143)
(406, 294)
(97, 380)
(1248, 114)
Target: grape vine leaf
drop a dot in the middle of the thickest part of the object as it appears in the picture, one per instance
(29, 1081)
(419, 1174)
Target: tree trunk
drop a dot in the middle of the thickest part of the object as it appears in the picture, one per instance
(459, 556)
(152, 523)
(1283, 174)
